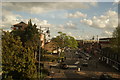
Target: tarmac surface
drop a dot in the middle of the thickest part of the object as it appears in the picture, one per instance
(92, 72)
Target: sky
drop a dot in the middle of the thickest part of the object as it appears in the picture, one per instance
(82, 20)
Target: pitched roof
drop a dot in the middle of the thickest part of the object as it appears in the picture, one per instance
(21, 24)
(50, 46)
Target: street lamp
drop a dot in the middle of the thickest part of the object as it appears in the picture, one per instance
(41, 32)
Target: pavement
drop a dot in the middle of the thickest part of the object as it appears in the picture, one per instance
(55, 71)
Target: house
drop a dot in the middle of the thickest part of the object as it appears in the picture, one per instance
(52, 47)
(20, 26)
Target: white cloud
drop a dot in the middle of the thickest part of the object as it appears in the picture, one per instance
(87, 21)
(70, 25)
(44, 23)
(93, 3)
(67, 25)
(116, 2)
(60, 27)
(9, 19)
(78, 37)
(76, 15)
(40, 7)
(37, 10)
(106, 34)
(107, 21)
(38, 22)
(52, 1)
(109, 33)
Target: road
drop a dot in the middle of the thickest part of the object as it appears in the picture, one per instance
(94, 69)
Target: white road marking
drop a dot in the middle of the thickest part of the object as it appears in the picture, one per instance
(77, 62)
(72, 66)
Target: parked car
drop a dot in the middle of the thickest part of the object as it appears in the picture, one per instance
(82, 55)
(86, 56)
(85, 64)
(76, 53)
(63, 66)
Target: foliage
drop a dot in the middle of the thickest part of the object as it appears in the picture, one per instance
(28, 33)
(63, 41)
(44, 73)
(18, 61)
(116, 41)
(19, 48)
(50, 57)
(29, 36)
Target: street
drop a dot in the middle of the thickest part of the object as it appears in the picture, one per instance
(93, 70)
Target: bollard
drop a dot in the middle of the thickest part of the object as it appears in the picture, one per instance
(78, 69)
(102, 58)
(59, 71)
(107, 61)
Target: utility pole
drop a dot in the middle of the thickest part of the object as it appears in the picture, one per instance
(39, 68)
(97, 39)
(48, 32)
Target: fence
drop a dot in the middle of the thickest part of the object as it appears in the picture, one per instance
(109, 57)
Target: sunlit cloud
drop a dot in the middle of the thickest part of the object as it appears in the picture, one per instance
(77, 14)
(108, 21)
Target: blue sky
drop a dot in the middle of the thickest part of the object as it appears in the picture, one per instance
(82, 20)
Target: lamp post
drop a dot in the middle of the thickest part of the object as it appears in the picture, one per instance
(41, 32)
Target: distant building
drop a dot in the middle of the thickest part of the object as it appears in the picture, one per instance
(90, 41)
(20, 26)
(106, 42)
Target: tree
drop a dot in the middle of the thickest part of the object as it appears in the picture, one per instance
(116, 41)
(29, 36)
(28, 33)
(19, 48)
(64, 41)
(17, 61)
